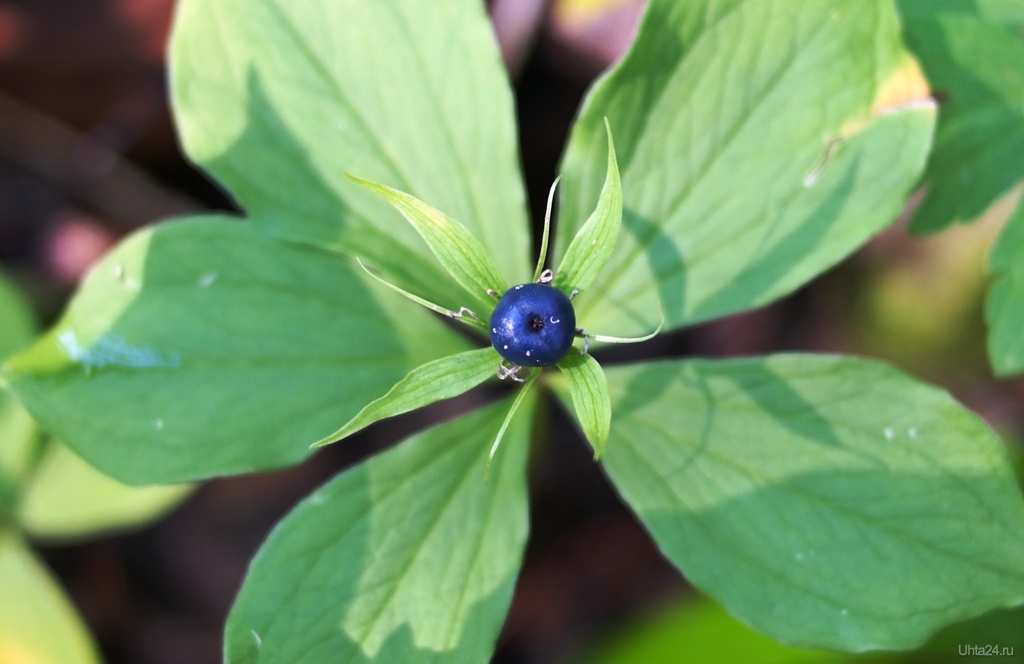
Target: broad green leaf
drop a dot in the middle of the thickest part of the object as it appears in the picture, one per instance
(588, 389)
(1004, 306)
(38, 625)
(595, 240)
(828, 502)
(68, 499)
(204, 347)
(455, 247)
(278, 100)
(408, 557)
(17, 431)
(971, 51)
(759, 144)
(444, 378)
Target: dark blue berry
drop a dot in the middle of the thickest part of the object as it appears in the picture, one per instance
(533, 325)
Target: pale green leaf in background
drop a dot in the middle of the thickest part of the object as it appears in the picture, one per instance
(588, 392)
(278, 100)
(443, 378)
(595, 240)
(759, 143)
(700, 631)
(68, 499)
(204, 347)
(17, 324)
(17, 431)
(827, 502)
(1004, 306)
(38, 625)
(972, 52)
(408, 557)
(455, 247)
(707, 634)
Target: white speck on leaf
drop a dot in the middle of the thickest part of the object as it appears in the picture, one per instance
(844, 613)
(207, 279)
(256, 637)
(316, 499)
(889, 433)
(912, 432)
(158, 425)
(799, 556)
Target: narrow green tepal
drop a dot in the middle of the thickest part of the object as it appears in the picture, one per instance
(1004, 305)
(828, 502)
(407, 558)
(459, 252)
(759, 144)
(595, 241)
(204, 347)
(588, 389)
(441, 379)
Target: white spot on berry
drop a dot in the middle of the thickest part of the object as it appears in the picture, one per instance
(505, 346)
(527, 353)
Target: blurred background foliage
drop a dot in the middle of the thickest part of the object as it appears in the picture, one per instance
(87, 154)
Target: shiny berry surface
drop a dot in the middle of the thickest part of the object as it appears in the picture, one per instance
(533, 325)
